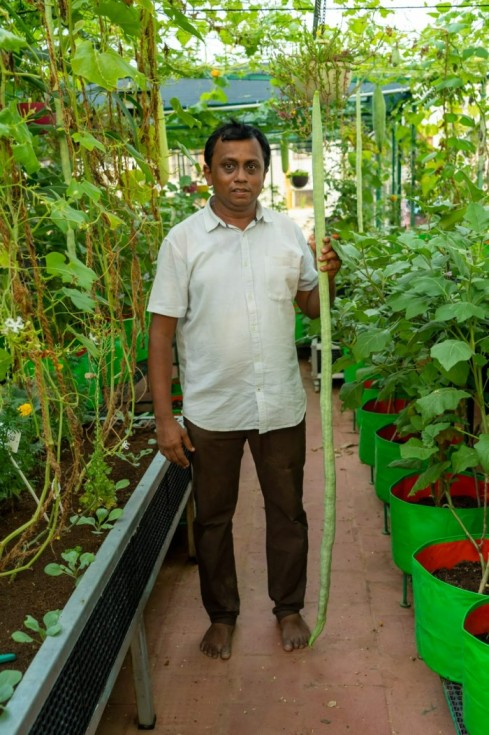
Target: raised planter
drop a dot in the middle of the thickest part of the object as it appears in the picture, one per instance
(374, 414)
(440, 607)
(68, 683)
(475, 691)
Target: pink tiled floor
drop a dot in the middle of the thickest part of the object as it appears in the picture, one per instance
(362, 677)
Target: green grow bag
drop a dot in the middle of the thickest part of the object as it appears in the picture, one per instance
(440, 608)
(414, 524)
(475, 692)
(387, 449)
(373, 415)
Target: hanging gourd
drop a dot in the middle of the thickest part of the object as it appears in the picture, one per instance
(284, 153)
(379, 116)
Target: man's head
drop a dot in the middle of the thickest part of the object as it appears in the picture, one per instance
(234, 130)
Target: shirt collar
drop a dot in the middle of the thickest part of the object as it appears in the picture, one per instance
(212, 221)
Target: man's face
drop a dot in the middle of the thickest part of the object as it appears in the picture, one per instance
(237, 173)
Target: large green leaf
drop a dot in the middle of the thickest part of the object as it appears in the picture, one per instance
(415, 449)
(373, 340)
(81, 300)
(464, 458)
(70, 271)
(477, 217)
(66, 217)
(11, 42)
(440, 401)
(429, 476)
(460, 312)
(482, 449)
(451, 351)
(104, 68)
(121, 14)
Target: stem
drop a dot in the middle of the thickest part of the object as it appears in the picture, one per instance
(326, 398)
(27, 484)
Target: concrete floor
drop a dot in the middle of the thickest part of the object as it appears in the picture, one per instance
(362, 676)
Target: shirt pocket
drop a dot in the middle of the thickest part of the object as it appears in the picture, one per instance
(282, 276)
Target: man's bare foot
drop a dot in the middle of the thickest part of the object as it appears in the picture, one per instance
(295, 632)
(217, 641)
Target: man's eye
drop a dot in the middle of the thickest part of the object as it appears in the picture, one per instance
(228, 166)
(252, 167)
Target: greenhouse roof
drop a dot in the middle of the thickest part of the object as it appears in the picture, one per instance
(245, 92)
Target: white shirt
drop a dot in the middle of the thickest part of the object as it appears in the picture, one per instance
(232, 291)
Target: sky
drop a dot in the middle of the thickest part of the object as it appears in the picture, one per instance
(408, 15)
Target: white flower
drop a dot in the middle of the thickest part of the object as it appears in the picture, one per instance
(13, 325)
(125, 445)
(93, 338)
(90, 376)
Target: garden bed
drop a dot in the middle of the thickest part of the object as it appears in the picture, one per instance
(33, 592)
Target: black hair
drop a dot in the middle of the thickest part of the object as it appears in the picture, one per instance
(234, 130)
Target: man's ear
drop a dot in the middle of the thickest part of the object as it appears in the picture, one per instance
(207, 173)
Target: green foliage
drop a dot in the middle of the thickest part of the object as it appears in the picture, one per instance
(18, 440)
(50, 626)
(76, 563)
(9, 678)
(103, 520)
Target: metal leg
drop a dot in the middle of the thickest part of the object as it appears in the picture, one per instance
(405, 580)
(371, 475)
(142, 679)
(386, 530)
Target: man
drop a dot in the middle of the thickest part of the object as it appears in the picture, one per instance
(225, 285)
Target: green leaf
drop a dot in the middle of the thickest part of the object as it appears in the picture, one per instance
(25, 156)
(10, 42)
(66, 217)
(5, 362)
(187, 119)
(88, 141)
(415, 449)
(127, 17)
(103, 68)
(460, 312)
(81, 300)
(53, 570)
(373, 340)
(31, 623)
(51, 618)
(180, 20)
(464, 458)
(440, 401)
(451, 351)
(78, 189)
(482, 449)
(70, 270)
(121, 484)
(8, 680)
(429, 476)
(477, 217)
(20, 637)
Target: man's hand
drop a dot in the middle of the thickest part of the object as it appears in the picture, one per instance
(330, 262)
(172, 439)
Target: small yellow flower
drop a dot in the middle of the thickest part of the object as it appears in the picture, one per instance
(25, 409)
(215, 73)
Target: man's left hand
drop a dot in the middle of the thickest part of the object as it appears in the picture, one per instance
(328, 259)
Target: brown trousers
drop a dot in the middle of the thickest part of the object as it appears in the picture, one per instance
(279, 460)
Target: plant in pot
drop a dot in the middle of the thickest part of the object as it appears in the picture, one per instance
(450, 291)
(298, 177)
